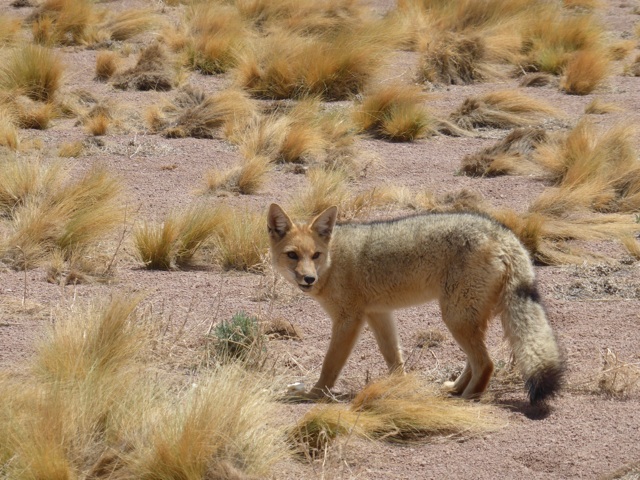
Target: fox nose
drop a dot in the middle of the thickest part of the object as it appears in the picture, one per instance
(309, 279)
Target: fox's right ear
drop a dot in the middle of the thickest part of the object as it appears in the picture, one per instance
(278, 222)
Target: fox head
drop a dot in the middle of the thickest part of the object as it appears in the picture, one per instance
(300, 252)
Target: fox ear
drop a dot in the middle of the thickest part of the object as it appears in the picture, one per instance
(278, 222)
(323, 224)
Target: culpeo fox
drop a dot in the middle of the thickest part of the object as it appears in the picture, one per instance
(474, 266)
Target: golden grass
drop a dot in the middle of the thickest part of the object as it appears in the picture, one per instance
(245, 179)
(621, 50)
(9, 29)
(50, 213)
(396, 408)
(292, 65)
(597, 106)
(395, 112)
(129, 23)
(176, 240)
(70, 149)
(502, 109)
(551, 38)
(92, 402)
(326, 188)
(240, 243)
(585, 71)
(67, 22)
(8, 132)
(97, 125)
(454, 60)
(34, 71)
(218, 35)
(106, 64)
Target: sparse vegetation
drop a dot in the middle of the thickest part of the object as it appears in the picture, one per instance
(106, 65)
(92, 402)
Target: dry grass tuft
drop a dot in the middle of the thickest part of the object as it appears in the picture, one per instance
(195, 114)
(8, 132)
(326, 188)
(178, 238)
(396, 408)
(292, 65)
(599, 107)
(33, 71)
(584, 72)
(240, 243)
(396, 113)
(129, 23)
(106, 65)
(218, 36)
(621, 50)
(70, 149)
(502, 109)
(551, 38)
(245, 179)
(510, 156)
(454, 59)
(67, 22)
(9, 29)
(536, 80)
(618, 379)
(155, 70)
(47, 213)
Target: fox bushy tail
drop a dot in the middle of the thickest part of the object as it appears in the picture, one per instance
(526, 327)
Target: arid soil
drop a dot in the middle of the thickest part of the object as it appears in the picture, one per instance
(587, 433)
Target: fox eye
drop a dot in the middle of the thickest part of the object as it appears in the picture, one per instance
(315, 255)
(292, 255)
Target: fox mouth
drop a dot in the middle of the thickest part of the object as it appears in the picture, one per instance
(305, 287)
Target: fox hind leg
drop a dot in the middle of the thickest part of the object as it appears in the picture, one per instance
(469, 331)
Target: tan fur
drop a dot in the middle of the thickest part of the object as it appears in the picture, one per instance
(474, 266)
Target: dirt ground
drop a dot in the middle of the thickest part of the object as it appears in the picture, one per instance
(593, 309)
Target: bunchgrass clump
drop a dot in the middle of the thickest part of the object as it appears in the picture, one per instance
(245, 179)
(106, 65)
(292, 65)
(396, 113)
(240, 243)
(196, 114)
(502, 109)
(34, 71)
(585, 71)
(175, 241)
(154, 70)
(218, 36)
(396, 408)
(46, 212)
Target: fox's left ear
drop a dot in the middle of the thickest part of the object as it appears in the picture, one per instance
(323, 224)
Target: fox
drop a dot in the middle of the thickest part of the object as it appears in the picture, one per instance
(474, 266)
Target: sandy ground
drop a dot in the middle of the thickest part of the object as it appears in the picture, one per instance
(592, 309)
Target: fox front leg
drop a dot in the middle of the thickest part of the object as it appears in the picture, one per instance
(344, 333)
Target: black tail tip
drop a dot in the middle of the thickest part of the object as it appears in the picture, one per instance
(545, 383)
